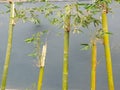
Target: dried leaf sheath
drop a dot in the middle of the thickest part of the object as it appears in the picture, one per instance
(43, 56)
(42, 65)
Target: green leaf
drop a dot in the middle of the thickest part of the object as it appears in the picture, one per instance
(82, 4)
(7, 6)
(7, 11)
(96, 22)
(85, 46)
(76, 30)
(117, 1)
(29, 40)
(110, 33)
(99, 33)
(55, 21)
(55, 7)
(32, 54)
(77, 20)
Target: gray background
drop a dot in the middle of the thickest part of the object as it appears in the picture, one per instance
(23, 72)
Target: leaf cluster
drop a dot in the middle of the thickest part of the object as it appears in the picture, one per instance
(36, 41)
(117, 1)
(98, 37)
(25, 15)
(98, 6)
(80, 17)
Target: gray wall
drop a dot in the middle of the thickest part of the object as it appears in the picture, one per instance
(23, 72)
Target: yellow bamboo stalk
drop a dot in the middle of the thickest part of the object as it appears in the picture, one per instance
(107, 51)
(9, 47)
(93, 65)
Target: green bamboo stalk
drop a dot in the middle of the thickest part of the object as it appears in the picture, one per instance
(107, 50)
(42, 66)
(93, 65)
(66, 48)
(9, 47)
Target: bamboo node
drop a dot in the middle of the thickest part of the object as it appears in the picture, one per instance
(10, 1)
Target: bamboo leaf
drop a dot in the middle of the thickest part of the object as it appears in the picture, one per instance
(32, 54)
(55, 21)
(110, 33)
(117, 1)
(30, 40)
(77, 31)
(96, 22)
(85, 46)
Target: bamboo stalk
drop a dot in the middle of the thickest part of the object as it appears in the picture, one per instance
(40, 78)
(42, 65)
(107, 51)
(93, 65)
(66, 48)
(9, 47)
